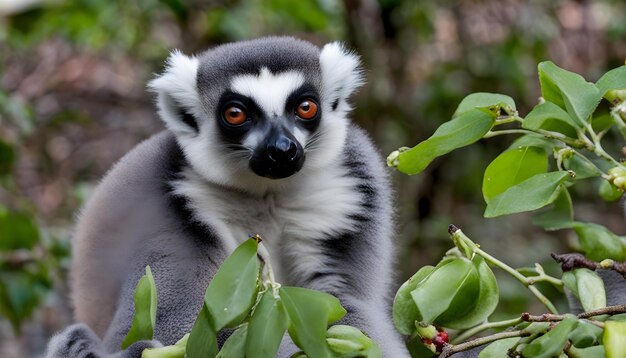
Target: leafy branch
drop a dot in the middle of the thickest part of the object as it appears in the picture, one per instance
(563, 129)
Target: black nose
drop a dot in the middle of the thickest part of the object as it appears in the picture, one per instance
(283, 149)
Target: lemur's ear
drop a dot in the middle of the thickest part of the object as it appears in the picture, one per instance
(178, 100)
(341, 75)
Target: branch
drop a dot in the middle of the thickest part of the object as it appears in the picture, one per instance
(527, 317)
(574, 260)
(450, 349)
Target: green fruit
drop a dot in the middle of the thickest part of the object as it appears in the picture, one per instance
(348, 341)
(486, 303)
(609, 192)
(450, 291)
(405, 312)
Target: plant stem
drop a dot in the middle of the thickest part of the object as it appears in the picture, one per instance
(485, 326)
(526, 281)
(507, 131)
(598, 150)
(619, 120)
(450, 349)
(264, 256)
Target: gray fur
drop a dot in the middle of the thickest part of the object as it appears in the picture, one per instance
(219, 64)
(327, 227)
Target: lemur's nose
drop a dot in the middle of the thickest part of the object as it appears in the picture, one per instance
(283, 149)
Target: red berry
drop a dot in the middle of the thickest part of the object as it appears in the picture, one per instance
(444, 336)
(440, 340)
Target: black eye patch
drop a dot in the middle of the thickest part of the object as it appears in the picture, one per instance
(304, 92)
(235, 133)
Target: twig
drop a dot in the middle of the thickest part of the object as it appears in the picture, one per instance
(450, 349)
(485, 326)
(549, 317)
(574, 260)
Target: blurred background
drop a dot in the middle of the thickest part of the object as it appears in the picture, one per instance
(73, 100)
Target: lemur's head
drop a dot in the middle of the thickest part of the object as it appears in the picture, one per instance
(248, 114)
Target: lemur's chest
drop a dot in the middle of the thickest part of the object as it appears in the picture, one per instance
(314, 208)
(290, 221)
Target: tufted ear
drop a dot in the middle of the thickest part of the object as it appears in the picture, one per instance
(177, 95)
(341, 75)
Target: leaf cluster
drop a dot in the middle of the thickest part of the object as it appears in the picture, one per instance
(259, 311)
(560, 146)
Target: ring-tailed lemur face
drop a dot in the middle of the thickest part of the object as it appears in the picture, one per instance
(249, 113)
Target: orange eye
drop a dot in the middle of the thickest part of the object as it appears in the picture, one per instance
(307, 109)
(235, 115)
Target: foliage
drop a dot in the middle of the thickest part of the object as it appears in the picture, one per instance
(244, 296)
(28, 256)
(73, 74)
(461, 292)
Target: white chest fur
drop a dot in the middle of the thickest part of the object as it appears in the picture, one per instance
(311, 205)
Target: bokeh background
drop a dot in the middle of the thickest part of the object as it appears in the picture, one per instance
(73, 100)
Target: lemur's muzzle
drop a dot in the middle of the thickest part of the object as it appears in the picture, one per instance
(279, 155)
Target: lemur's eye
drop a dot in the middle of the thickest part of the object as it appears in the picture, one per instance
(235, 115)
(307, 109)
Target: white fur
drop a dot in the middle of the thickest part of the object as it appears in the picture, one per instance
(177, 83)
(270, 91)
(290, 221)
(341, 75)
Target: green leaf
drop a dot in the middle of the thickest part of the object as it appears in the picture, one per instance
(550, 117)
(602, 122)
(499, 348)
(20, 293)
(405, 312)
(531, 194)
(486, 302)
(145, 311)
(614, 339)
(615, 79)
(309, 313)
(587, 286)
(586, 334)
(465, 129)
(267, 327)
(559, 216)
(448, 293)
(174, 351)
(483, 100)
(511, 168)
(235, 345)
(233, 290)
(569, 91)
(202, 340)
(7, 158)
(598, 243)
(551, 344)
(17, 231)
